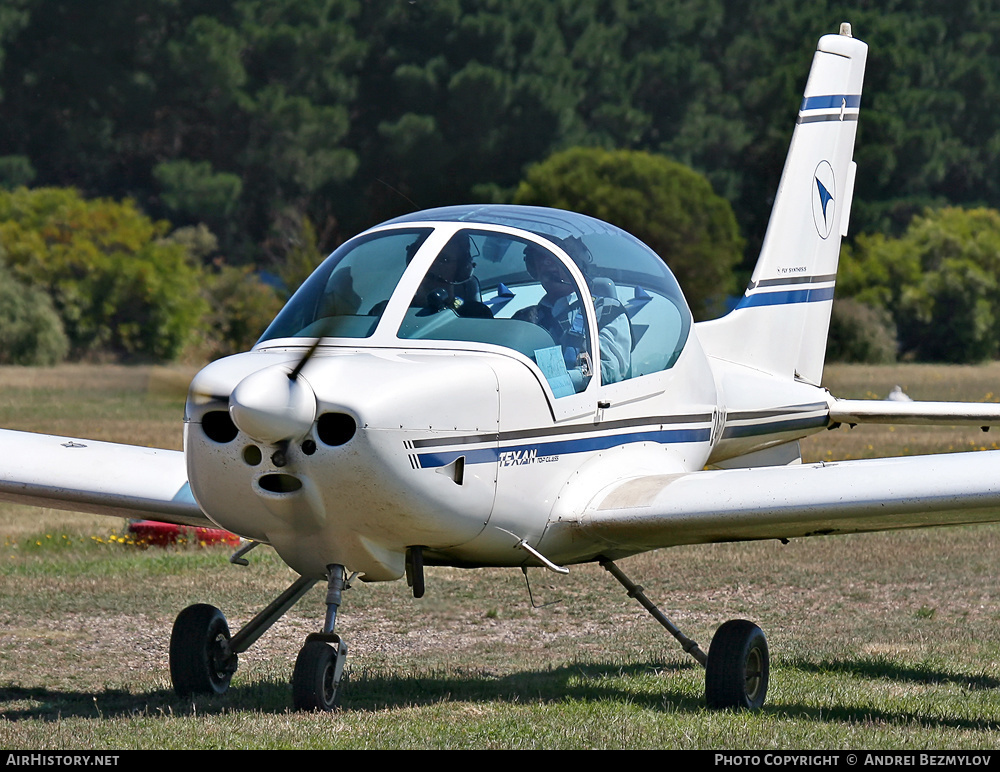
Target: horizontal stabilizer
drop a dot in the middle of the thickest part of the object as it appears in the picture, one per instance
(865, 411)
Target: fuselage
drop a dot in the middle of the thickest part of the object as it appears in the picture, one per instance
(440, 410)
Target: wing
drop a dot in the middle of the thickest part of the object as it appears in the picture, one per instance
(98, 477)
(650, 512)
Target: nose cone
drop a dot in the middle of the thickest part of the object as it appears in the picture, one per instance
(270, 407)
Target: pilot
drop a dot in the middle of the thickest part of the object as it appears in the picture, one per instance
(340, 299)
(449, 283)
(560, 312)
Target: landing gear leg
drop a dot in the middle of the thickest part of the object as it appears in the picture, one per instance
(737, 666)
(203, 656)
(319, 668)
(415, 570)
(635, 591)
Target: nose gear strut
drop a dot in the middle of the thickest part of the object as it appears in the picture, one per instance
(319, 668)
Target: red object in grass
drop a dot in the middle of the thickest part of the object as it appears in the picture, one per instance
(158, 534)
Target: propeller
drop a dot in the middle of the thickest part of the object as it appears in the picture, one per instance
(204, 392)
(273, 405)
(309, 354)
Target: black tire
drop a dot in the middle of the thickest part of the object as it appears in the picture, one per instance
(736, 675)
(200, 660)
(312, 681)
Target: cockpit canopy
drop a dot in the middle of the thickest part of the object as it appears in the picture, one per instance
(575, 295)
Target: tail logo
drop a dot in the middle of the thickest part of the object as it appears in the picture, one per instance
(824, 204)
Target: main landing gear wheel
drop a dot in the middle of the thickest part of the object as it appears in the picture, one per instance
(317, 676)
(736, 674)
(201, 661)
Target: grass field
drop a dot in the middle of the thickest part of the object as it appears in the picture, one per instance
(877, 641)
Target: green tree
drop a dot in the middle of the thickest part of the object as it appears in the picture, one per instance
(14, 16)
(15, 171)
(293, 250)
(455, 99)
(239, 106)
(301, 58)
(118, 285)
(240, 306)
(665, 204)
(348, 112)
(939, 280)
(193, 190)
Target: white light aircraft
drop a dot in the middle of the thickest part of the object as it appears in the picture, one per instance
(513, 386)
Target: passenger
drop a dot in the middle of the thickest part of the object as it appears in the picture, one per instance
(560, 312)
(449, 283)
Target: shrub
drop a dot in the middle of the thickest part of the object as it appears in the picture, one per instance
(861, 333)
(117, 284)
(240, 306)
(31, 332)
(938, 280)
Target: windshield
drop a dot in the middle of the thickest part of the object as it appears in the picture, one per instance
(346, 295)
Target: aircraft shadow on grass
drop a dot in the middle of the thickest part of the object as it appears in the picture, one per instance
(583, 682)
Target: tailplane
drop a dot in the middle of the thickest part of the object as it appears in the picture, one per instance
(781, 323)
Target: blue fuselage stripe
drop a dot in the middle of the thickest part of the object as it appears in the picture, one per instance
(786, 297)
(563, 447)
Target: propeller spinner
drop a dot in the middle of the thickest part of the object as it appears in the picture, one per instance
(273, 405)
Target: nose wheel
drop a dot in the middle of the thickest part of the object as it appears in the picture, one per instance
(318, 673)
(203, 655)
(319, 668)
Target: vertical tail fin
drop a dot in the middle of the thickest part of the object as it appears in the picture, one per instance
(781, 323)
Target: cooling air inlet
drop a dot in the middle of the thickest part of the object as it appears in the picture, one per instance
(336, 429)
(280, 483)
(218, 426)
